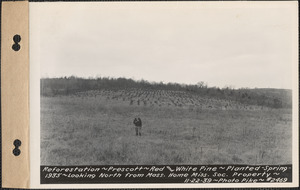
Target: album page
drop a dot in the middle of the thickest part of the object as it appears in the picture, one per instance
(163, 94)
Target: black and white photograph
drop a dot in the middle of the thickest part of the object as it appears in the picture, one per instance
(167, 85)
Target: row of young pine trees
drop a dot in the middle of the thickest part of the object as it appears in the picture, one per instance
(263, 97)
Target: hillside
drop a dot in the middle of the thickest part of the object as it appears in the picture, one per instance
(181, 124)
(144, 93)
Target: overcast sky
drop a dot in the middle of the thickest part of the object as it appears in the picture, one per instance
(245, 45)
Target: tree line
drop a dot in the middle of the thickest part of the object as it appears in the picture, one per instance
(275, 98)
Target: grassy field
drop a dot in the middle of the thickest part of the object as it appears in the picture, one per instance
(95, 130)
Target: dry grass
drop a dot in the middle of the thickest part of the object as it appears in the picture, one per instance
(95, 131)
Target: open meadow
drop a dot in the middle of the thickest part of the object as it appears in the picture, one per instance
(96, 128)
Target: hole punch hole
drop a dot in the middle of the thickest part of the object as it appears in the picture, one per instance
(17, 143)
(16, 152)
(16, 47)
(16, 39)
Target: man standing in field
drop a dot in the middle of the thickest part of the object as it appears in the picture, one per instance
(138, 126)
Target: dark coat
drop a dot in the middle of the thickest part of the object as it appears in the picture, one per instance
(137, 122)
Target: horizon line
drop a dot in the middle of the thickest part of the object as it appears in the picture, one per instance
(160, 82)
